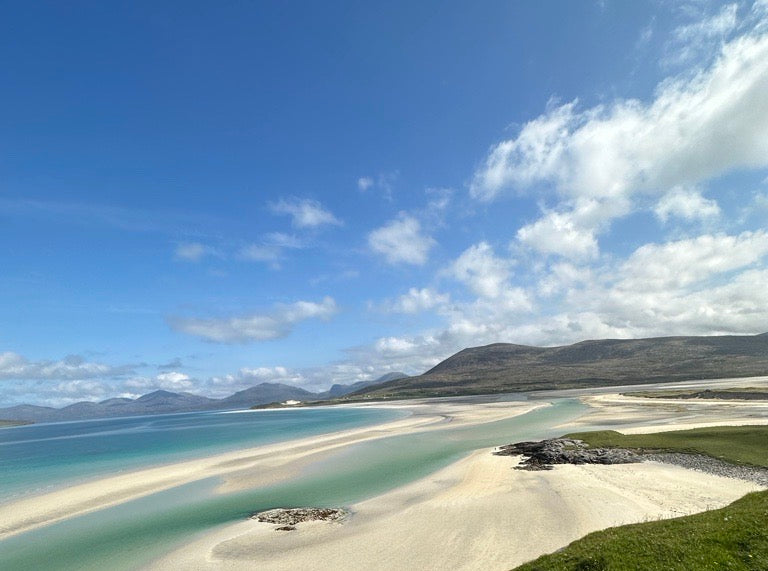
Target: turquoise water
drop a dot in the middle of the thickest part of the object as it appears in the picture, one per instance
(38, 458)
(132, 534)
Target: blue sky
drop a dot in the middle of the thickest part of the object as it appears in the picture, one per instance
(205, 196)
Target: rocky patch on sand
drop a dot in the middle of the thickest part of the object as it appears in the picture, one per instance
(287, 518)
(543, 455)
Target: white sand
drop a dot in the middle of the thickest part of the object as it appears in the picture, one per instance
(240, 469)
(636, 415)
(478, 513)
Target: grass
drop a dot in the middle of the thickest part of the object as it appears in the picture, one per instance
(735, 444)
(734, 537)
(734, 393)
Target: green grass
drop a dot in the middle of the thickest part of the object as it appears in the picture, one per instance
(736, 444)
(734, 537)
(733, 393)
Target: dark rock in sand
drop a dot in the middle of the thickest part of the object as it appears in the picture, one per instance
(289, 517)
(546, 453)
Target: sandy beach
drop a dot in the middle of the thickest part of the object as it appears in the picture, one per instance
(243, 468)
(477, 513)
(480, 513)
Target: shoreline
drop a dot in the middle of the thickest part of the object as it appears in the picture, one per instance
(477, 513)
(474, 505)
(480, 513)
(240, 469)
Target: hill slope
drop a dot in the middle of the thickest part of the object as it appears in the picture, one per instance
(504, 367)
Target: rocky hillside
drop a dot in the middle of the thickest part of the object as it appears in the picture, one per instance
(503, 367)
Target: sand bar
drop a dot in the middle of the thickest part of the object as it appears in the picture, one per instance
(635, 415)
(243, 468)
(478, 513)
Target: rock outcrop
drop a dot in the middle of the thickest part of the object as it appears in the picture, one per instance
(543, 455)
(287, 518)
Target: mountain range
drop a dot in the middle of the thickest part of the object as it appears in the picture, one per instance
(496, 368)
(164, 402)
(504, 367)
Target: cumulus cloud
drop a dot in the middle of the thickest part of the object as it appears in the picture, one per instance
(305, 213)
(418, 300)
(696, 127)
(255, 327)
(170, 381)
(482, 271)
(402, 241)
(687, 204)
(683, 262)
(693, 129)
(559, 233)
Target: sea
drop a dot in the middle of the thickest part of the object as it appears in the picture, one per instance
(40, 458)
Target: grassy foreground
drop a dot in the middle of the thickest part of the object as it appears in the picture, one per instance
(734, 537)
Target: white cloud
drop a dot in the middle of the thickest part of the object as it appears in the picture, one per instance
(383, 183)
(696, 127)
(479, 268)
(686, 203)
(394, 345)
(222, 386)
(684, 262)
(305, 213)
(401, 241)
(558, 233)
(418, 300)
(192, 251)
(256, 327)
(698, 38)
(364, 183)
(170, 381)
(73, 367)
(271, 248)
(562, 276)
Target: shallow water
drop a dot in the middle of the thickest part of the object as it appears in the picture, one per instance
(39, 458)
(132, 534)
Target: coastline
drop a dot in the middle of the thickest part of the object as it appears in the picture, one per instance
(240, 469)
(476, 512)
(480, 513)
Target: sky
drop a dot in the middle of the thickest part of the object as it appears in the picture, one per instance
(204, 196)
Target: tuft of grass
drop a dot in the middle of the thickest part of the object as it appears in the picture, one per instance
(734, 537)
